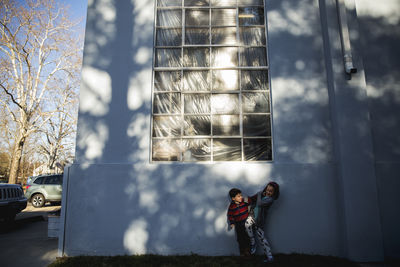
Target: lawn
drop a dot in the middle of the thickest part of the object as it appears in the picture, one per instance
(297, 260)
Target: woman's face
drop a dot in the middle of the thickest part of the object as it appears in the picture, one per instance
(269, 191)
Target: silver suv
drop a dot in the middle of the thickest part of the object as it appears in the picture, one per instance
(44, 188)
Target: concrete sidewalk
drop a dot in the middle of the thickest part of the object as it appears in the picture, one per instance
(25, 242)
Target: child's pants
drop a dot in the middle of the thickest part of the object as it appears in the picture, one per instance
(250, 222)
(242, 238)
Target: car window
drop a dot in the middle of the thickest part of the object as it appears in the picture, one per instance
(59, 179)
(39, 180)
(52, 180)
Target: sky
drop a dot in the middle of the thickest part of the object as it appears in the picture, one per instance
(77, 7)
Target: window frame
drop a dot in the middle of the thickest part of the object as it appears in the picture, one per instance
(210, 68)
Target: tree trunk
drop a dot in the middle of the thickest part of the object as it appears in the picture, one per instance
(16, 159)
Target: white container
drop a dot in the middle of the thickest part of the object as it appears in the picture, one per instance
(53, 226)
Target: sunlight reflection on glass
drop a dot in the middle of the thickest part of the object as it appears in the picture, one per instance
(223, 2)
(227, 125)
(224, 57)
(225, 80)
(225, 104)
(196, 17)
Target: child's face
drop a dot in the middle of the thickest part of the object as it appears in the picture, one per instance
(269, 191)
(238, 198)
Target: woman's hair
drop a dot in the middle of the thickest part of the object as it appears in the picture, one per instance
(276, 189)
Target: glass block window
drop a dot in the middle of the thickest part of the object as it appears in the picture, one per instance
(211, 96)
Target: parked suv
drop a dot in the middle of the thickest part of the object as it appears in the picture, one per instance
(44, 188)
(12, 201)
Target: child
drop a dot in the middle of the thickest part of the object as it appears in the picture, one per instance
(263, 201)
(237, 215)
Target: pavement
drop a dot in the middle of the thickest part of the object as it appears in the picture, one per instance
(25, 243)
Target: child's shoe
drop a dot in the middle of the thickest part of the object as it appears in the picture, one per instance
(253, 249)
(269, 259)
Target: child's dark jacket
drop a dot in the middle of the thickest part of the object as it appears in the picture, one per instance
(263, 204)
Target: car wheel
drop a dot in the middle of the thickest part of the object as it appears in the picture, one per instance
(38, 200)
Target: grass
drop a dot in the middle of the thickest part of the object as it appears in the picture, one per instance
(297, 260)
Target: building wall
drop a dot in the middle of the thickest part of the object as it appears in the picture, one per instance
(116, 202)
(380, 39)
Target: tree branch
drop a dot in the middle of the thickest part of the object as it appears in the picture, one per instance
(11, 96)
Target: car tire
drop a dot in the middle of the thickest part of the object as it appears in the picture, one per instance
(38, 200)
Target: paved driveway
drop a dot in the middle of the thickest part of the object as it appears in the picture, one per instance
(25, 242)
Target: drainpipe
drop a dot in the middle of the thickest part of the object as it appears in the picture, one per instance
(345, 38)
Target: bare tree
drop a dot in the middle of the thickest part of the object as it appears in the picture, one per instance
(6, 141)
(58, 135)
(38, 50)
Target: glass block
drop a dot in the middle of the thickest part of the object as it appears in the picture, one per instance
(197, 17)
(256, 125)
(223, 17)
(167, 126)
(197, 36)
(196, 149)
(166, 57)
(224, 35)
(255, 102)
(225, 80)
(167, 103)
(254, 56)
(224, 57)
(196, 57)
(167, 81)
(257, 149)
(250, 2)
(197, 125)
(227, 149)
(196, 80)
(169, 37)
(197, 103)
(254, 80)
(226, 125)
(166, 150)
(225, 104)
(252, 36)
(249, 16)
(223, 3)
(163, 3)
(169, 18)
(197, 2)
